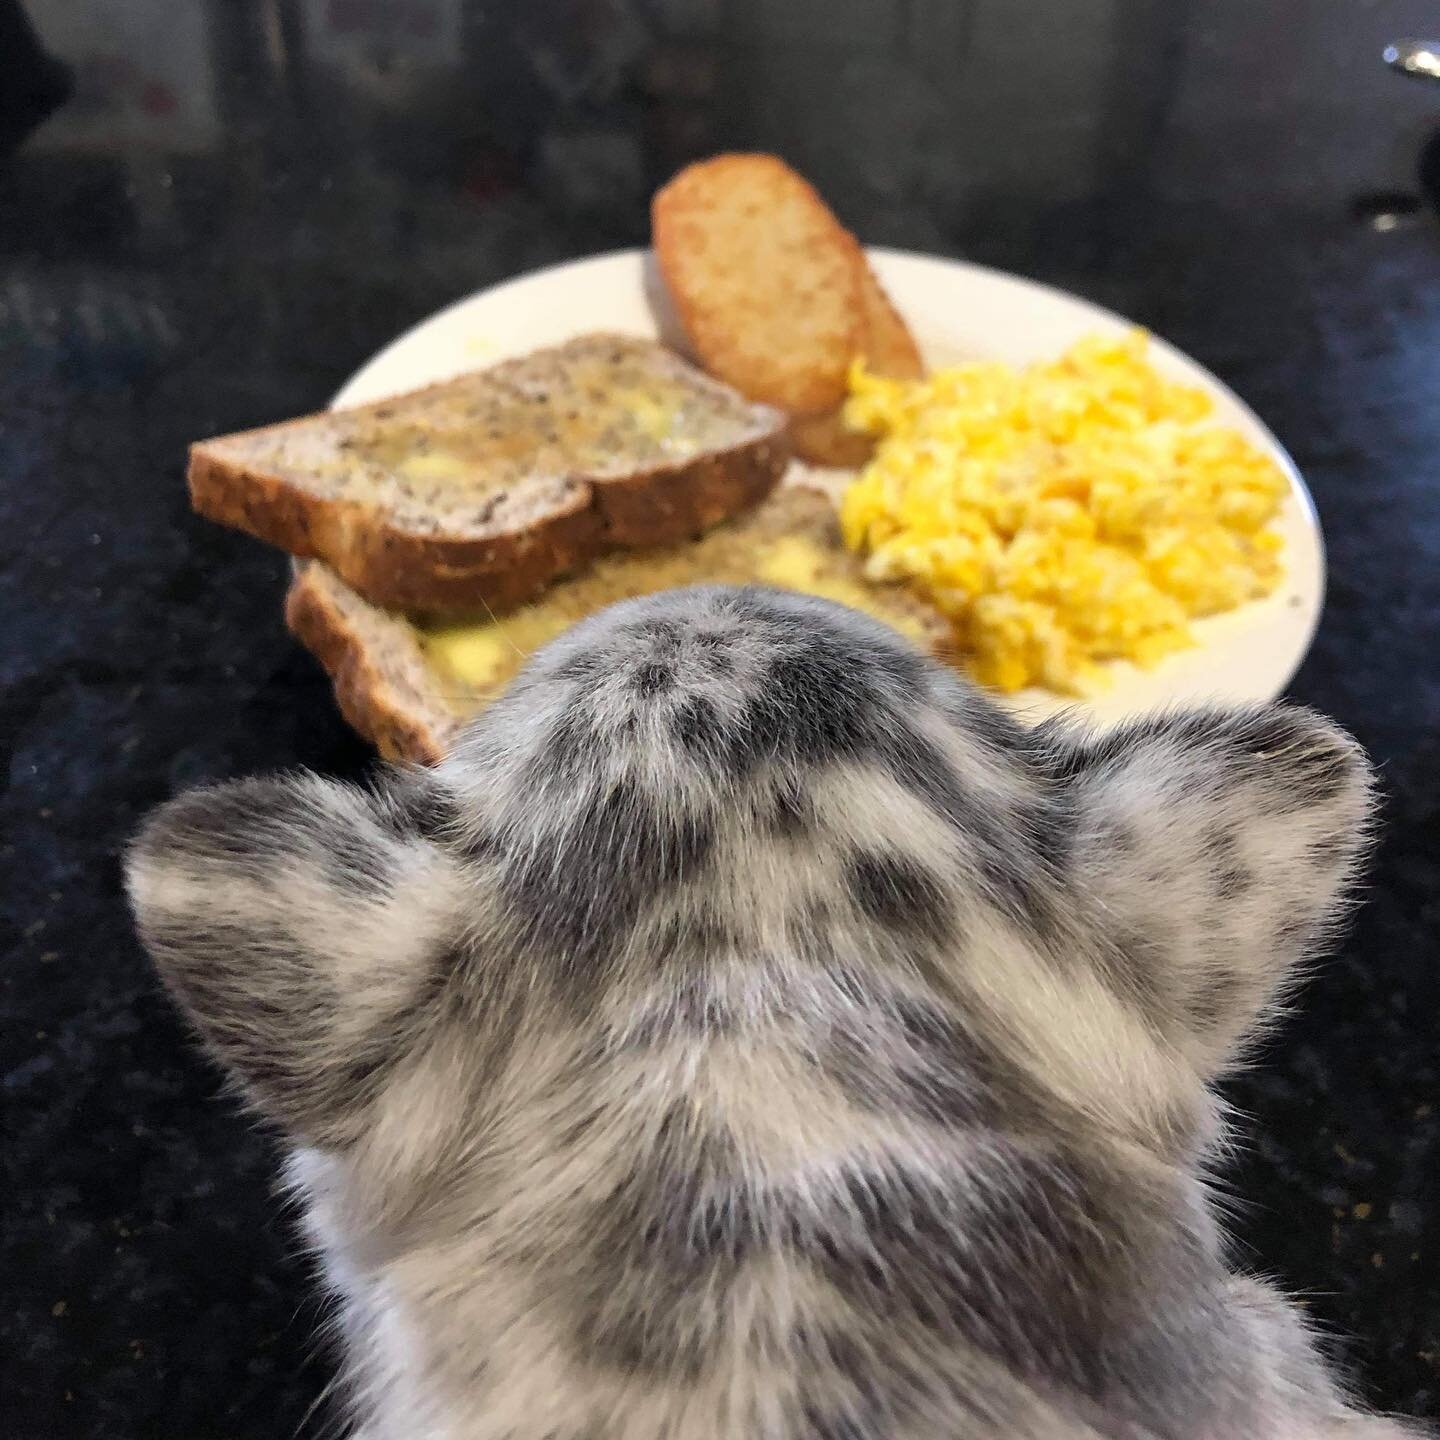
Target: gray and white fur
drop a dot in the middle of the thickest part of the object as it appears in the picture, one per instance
(750, 1033)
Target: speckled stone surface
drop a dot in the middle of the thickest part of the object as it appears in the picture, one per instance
(288, 198)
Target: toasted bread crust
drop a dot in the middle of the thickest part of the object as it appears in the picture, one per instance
(888, 348)
(887, 344)
(398, 727)
(400, 569)
(826, 440)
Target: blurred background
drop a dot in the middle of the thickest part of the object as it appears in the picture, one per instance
(213, 211)
(403, 123)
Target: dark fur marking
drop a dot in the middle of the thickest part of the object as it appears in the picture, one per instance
(763, 612)
(920, 768)
(1215, 1000)
(681, 1222)
(580, 1124)
(1075, 1255)
(928, 1028)
(245, 821)
(715, 656)
(1144, 976)
(824, 1422)
(1051, 830)
(1334, 850)
(1269, 733)
(693, 934)
(884, 1078)
(355, 864)
(479, 845)
(821, 698)
(633, 1343)
(1020, 889)
(584, 666)
(662, 636)
(1291, 748)
(903, 667)
(1305, 764)
(569, 744)
(810, 933)
(1053, 753)
(1010, 869)
(696, 1014)
(834, 1349)
(978, 718)
(899, 895)
(579, 893)
(417, 806)
(790, 815)
(651, 679)
(813, 703)
(697, 725)
(980, 1081)
(397, 1030)
(1231, 877)
(264, 1005)
(889, 1052)
(1233, 883)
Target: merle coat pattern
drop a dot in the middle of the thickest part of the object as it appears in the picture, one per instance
(751, 1032)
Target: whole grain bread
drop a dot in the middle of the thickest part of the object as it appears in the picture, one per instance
(385, 687)
(392, 682)
(481, 490)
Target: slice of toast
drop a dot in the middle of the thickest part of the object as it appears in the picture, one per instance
(409, 685)
(777, 297)
(765, 279)
(886, 342)
(888, 348)
(483, 489)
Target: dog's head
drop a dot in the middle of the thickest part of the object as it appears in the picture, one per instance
(751, 768)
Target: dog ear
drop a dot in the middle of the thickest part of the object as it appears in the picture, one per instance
(1219, 846)
(302, 926)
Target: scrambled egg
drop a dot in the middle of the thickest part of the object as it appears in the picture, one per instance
(1064, 513)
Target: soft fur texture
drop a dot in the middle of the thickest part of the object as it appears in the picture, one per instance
(750, 1032)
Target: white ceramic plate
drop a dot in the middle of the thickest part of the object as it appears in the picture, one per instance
(957, 312)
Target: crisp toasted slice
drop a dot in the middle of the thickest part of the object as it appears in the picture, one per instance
(765, 279)
(385, 685)
(482, 489)
(887, 344)
(408, 686)
(827, 440)
(889, 349)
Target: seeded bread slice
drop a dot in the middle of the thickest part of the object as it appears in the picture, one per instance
(396, 680)
(481, 490)
(385, 687)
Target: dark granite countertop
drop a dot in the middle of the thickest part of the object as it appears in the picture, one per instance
(243, 201)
